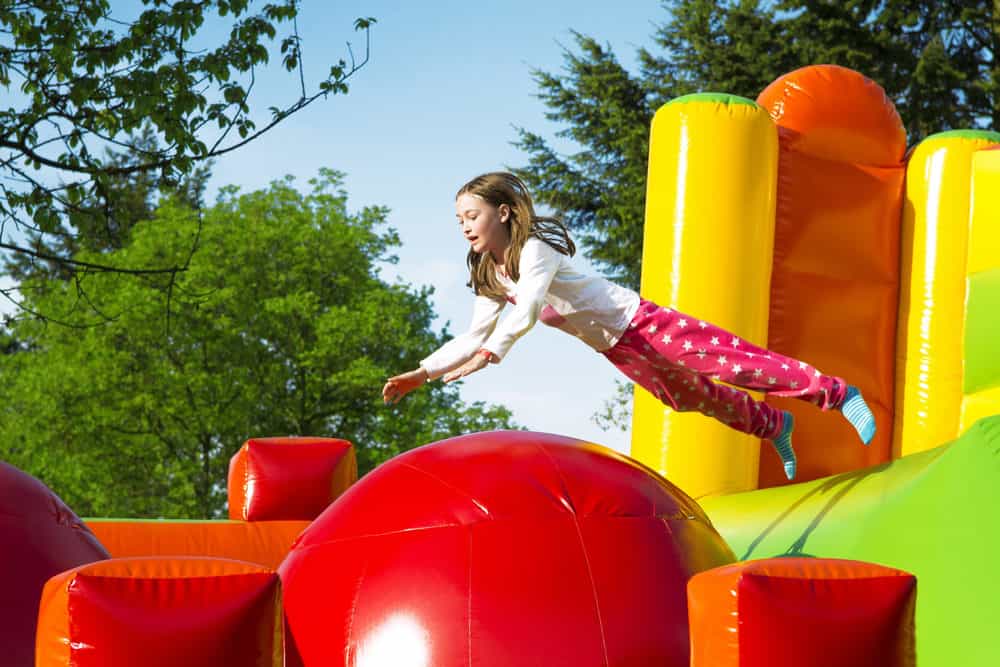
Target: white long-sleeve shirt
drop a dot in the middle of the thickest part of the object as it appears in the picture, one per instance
(591, 308)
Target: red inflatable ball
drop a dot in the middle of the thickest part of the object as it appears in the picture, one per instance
(501, 548)
(41, 537)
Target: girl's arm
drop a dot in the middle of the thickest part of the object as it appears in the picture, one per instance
(399, 386)
(537, 267)
(449, 356)
(461, 348)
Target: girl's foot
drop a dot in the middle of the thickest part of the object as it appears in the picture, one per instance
(783, 445)
(856, 411)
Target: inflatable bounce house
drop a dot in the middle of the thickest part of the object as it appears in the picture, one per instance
(800, 220)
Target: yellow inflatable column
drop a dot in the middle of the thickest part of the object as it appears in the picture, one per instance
(981, 384)
(934, 267)
(707, 251)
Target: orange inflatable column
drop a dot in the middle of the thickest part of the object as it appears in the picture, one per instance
(196, 612)
(835, 279)
(806, 612)
(289, 479)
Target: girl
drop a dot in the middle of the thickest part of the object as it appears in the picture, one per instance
(518, 257)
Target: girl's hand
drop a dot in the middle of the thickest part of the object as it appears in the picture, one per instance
(399, 386)
(474, 364)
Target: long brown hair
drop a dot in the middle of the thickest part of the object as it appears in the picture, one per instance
(501, 187)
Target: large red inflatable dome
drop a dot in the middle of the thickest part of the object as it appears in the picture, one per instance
(41, 537)
(501, 548)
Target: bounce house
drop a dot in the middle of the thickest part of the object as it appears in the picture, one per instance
(800, 220)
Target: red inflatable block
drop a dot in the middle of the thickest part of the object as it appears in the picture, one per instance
(196, 612)
(503, 548)
(806, 612)
(41, 537)
(289, 479)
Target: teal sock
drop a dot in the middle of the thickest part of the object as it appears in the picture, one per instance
(856, 411)
(783, 445)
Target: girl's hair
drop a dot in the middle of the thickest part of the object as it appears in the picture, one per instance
(501, 187)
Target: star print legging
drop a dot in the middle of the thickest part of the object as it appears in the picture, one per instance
(677, 357)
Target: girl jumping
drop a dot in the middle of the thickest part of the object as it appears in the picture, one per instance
(518, 257)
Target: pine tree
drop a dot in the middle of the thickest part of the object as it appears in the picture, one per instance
(936, 60)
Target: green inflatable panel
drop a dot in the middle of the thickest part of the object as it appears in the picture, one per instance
(935, 514)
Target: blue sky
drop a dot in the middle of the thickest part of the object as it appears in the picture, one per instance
(437, 104)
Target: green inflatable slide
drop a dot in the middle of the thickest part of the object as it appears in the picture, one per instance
(935, 514)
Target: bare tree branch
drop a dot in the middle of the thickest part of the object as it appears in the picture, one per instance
(90, 81)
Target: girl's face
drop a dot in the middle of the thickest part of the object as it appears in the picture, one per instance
(483, 225)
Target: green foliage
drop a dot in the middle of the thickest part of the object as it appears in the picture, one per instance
(281, 325)
(100, 223)
(598, 190)
(616, 413)
(87, 81)
(936, 60)
(605, 110)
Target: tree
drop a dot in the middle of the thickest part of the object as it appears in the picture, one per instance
(936, 60)
(281, 325)
(101, 224)
(89, 81)
(600, 190)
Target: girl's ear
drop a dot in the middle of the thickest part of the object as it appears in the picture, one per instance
(504, 211)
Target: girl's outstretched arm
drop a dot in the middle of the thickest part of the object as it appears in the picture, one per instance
(460, 349)
(454, 356)
(400, 385)
(477, 362)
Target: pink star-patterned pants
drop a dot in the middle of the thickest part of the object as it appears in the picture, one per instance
(677, 358)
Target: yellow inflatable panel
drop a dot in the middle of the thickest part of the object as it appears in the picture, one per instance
(710, 196)
(935, 261)
(981, 381)
(984, 233)
(979, 405)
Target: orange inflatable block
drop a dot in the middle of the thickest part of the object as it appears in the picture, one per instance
(196, 612)
(806, 612)
(262, 542)
(279, 479)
